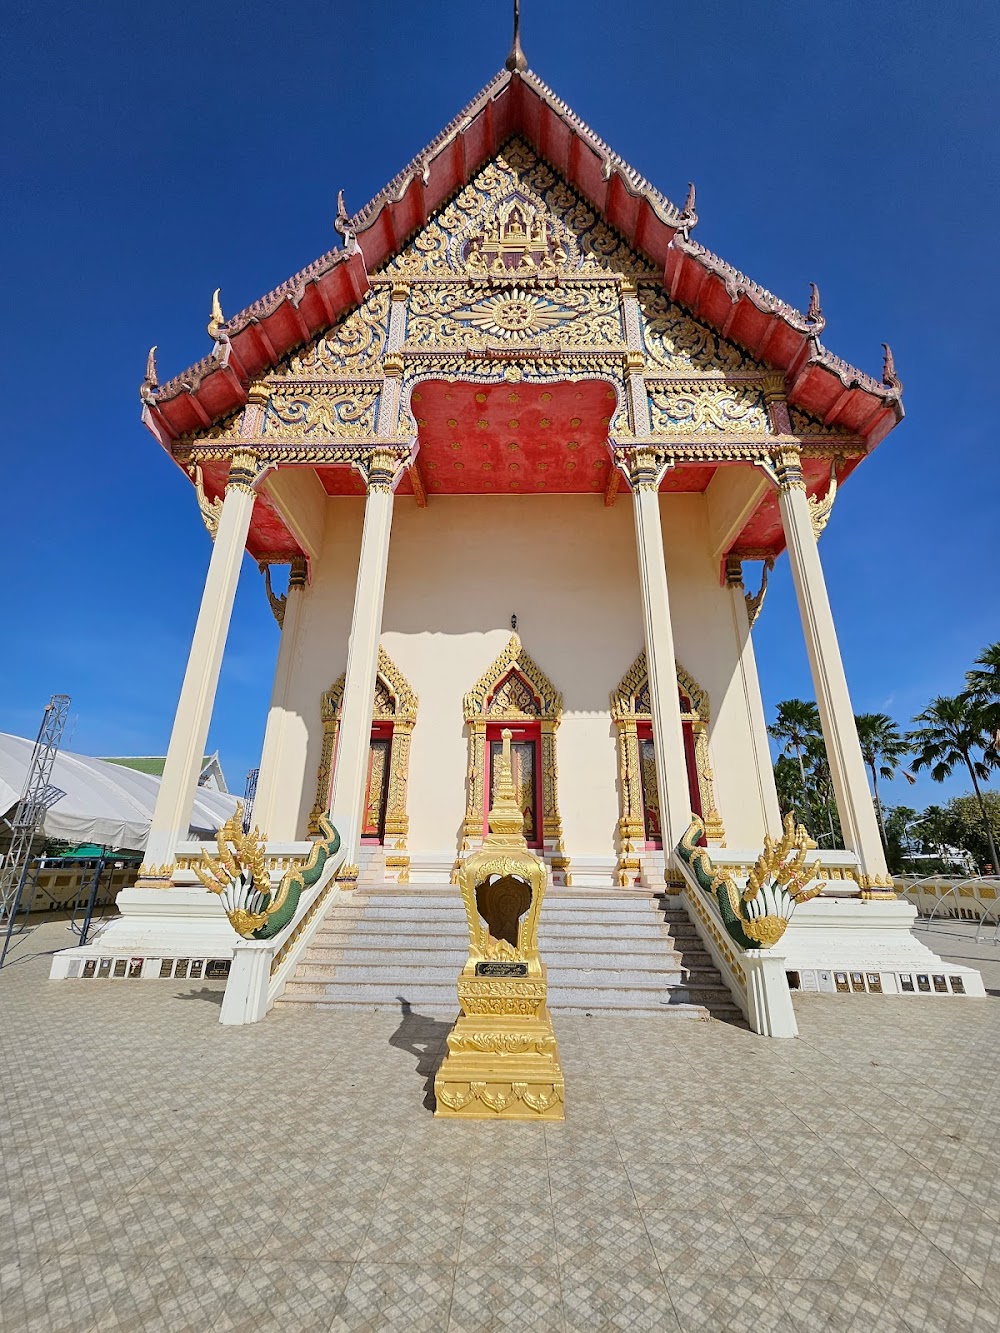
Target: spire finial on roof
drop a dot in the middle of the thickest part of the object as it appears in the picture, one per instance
(516, 62)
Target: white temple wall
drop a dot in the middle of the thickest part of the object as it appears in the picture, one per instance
(566, 566)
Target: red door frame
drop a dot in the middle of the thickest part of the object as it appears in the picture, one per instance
(381, 731)
(527, 731)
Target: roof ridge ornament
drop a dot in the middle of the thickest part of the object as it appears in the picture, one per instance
(150, 383)
(815, 314)
(689, 213)
(889, 377)
(216, 319)
(342, 225)
(516, 62)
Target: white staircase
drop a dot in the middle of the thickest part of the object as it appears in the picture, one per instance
(607, 951)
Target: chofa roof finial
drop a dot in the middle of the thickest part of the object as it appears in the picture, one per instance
(689, 213)
(341, 223)
(216, 320)
(815, 314)
(889, 377)
(516, 62)
(151, 382)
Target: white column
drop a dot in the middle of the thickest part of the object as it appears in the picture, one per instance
(274, 812)
(646, 471)
(381, 473)
(847, 769)
(172, 815)
(763, 778)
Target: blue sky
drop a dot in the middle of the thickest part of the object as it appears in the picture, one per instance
(157, 152)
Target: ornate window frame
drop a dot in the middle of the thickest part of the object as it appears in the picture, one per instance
(626, 712)
(395, 702)
(480, 710)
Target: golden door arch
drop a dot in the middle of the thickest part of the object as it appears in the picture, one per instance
(394, 713)
(632, 716)
(513, 691)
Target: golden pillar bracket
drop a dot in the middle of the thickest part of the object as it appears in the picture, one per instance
(502, 1061)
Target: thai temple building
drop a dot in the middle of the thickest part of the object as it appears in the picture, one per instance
(528, 451)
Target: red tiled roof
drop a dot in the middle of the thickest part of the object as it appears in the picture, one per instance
(249, 344)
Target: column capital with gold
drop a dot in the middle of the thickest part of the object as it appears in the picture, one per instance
(645, 466)
(382, 467)
(785, 468)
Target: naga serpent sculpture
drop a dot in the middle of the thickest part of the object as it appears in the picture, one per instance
(758, 917)
(239, 876)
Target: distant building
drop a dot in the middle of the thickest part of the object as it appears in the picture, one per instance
(211, 776)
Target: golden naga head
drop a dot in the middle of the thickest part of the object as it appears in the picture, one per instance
(238, 874)
(777, 883)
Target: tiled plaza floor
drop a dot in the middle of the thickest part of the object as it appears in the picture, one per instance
(167, 1173)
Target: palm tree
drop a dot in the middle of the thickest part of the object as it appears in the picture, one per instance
(983, 683)
(795, 722)
(882, 748)
(953, 730)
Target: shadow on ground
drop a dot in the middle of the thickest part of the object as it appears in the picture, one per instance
(424, 1037)
(206, 993)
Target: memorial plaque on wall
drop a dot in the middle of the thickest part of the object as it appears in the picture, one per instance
(104, 967)
(906, 981)
(181, 968)
(825, 980)
(217, 968)
(135, 967)
(958, 985)
(841, 982)
(196, 969)
(90, 967)
(499, 969)
(166, 967)
(857, 981)
(875, 983)
(941, 985)
(923, 982)
(120, 966)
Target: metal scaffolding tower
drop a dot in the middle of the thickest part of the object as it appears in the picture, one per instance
(37, 796)
(249, 796)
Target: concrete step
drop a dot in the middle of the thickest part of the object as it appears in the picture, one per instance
(390, 969)
(557, 948)
(608, 952)
(441, 995)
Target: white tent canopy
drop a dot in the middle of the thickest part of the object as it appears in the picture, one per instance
(104, 803)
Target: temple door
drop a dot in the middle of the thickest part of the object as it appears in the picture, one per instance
(524, 759)
(648, 784)
(377, 792)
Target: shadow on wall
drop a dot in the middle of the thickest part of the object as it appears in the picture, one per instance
(424, 1037)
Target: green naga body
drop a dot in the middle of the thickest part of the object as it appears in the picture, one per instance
(285, 903)
(779, 880)
(715, 882)
(240, 877)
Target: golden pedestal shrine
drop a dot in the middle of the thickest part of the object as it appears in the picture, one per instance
(502, 1060)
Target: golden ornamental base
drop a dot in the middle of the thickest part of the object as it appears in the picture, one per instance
(501, 1067)
(502, 1061)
